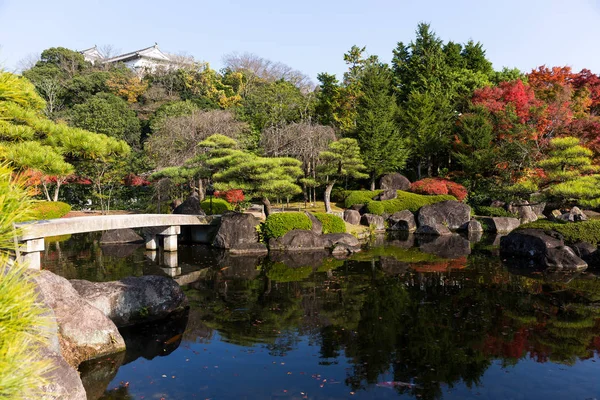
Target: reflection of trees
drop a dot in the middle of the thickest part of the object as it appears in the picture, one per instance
(427, 329)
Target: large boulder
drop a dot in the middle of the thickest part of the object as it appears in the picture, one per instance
(574, 215)
(545, 249)
(452, 214)
(523, 210)
(500, 224)
(474, 226)
(237, 232)
(352, 217)
(373, 220)
(394, 181)
(298, 240)
(133, 300)
(538, 209)
(434, 230)
(588, 253)
(120, 236)
(334, 239)
(62, 381)
(402, 221)
(317, 226)
(191, 206)
(564, 258)
(388, 194)
(84, 332)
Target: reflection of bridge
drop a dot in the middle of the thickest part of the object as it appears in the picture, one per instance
(31, 234)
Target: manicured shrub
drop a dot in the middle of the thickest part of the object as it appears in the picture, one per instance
(331, 223)
(573, 232)
(279, 224)
(219, 206)
(439, 186)
(486, 211)
(375, 207)
(404, 201)
(412, 201)
(49, 210)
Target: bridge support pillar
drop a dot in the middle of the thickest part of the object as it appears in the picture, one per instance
(152, 243)
(31, 253)
(170, 238)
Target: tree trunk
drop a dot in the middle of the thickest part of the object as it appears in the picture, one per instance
(201, 194)
(372, 182)
(327, 197)
(267, 205)
(419, 171)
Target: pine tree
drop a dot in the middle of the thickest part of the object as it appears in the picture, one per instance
(341, 161)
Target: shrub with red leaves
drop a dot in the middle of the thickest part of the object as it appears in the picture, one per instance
(135, 180)
(431, 186)
(233, 196)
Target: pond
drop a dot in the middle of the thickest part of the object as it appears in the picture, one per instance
(403, 320)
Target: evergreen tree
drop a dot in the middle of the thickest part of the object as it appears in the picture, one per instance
(383, 150)
(342, 160)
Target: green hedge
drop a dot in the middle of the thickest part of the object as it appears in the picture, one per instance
(486, 211)
(49, 210)
(279, 224)
(219, 206)
(375, 207)
(573, 232)
(331, 223)
(405, 200)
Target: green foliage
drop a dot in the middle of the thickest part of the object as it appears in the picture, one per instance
(24, 327)
(108, 114)
(219, 206)
(567, 160)
(383, 149)
(375, 207)
(584, 191)
(331, 223)
(173, 109)
(573, 232)
(404, 201)
(49, 210)
(279, 224)
(486, 211)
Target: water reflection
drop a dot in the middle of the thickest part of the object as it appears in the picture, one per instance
(427, 321)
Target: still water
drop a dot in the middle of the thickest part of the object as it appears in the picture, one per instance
(402, 320)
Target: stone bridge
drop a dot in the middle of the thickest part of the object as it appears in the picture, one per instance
(30, 235)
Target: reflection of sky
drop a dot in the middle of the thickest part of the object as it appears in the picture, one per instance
(221, 370)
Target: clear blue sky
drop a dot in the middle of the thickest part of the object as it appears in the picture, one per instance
(308, 35)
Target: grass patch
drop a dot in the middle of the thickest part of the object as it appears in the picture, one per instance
(573, 232)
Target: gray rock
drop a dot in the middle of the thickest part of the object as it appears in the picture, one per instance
(529, 243)
(513, 206)
(538, 209)
(587, 252)
(317, 226)
(563, 258)
(394, 181)
(474, 226)
(344, 250)
(238, 231)
(591, 214)
(452, 214)
(84, 332)
(191, 206)
(118, 236)
(556, 214)
(402, 221)
(375, 220)
(358, 207)
(526, 214)
(352, 217)
(435, 229)
(445, 246)
(63, 381)
(298, 240)
(574, 215)
(258, 249)
(388, 194)
(498, 204)
(334, 239)
(501, 224)
(134, 299)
